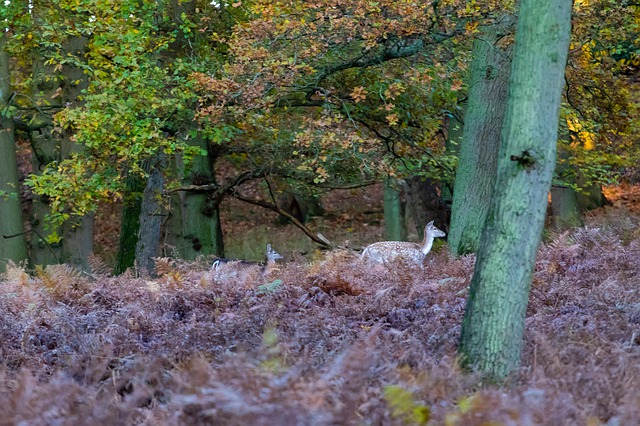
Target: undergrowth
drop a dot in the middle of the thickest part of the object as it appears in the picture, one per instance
(333, 342)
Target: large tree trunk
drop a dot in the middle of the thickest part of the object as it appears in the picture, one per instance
(194, 225)
(493, 324)
(394, 211)
(151, 217)
(424, 197)
(130, 225)
(45, 147)
(484, 117)
(77, 242)
(593, 198)
(48, 146)
(13, 245)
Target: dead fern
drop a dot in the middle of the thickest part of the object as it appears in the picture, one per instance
(163, 265)
(98, 266)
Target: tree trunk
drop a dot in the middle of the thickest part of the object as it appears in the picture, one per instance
(484, 117)
(77, 242)
(13, 245)
(455, 131)
(593, 199)
(565, 208)
(130, 225)
(299, 206)
(394, 211)
(48, 146)
(150, 221)
(493, 324)
(424, 197)
(45, 146)
(194, 225)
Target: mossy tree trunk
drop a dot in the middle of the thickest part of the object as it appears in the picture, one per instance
(131, 209)
(593, 197)
(194, 224)
(493, 324)
(394, 211)
(13, 245)
(484, 117)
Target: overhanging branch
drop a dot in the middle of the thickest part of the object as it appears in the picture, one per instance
(267, 205)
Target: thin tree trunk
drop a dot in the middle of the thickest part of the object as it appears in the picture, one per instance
(394, 211)
(484, 117)
(493, 324)
(455, 132)
(13, 245)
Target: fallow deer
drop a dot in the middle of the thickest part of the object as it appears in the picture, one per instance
(271, 257)
(388, 251)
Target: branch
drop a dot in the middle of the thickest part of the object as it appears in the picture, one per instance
(316, 238)
(43, 239)
(401, 48)
(217, 189)
(33, 124)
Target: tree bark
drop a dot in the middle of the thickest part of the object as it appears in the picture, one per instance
(565, 209)
(45, 146)
(77, 242)
(150, 221)
(424, 197)
(484, 117)
(455, 132)
(594, 197)
(49, 146)
(194, 224)
(13, 246)
(493, 324)
(394, 211)
(130, 225)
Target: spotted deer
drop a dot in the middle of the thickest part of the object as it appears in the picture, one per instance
(271, 257)
(388, 251)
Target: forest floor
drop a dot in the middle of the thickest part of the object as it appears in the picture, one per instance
(325, 339)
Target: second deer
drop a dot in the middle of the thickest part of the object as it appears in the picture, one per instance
(388, 251)
(233, 265)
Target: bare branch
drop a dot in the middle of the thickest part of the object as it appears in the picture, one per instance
(267, 205)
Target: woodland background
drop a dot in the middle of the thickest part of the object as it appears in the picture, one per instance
(142, 139)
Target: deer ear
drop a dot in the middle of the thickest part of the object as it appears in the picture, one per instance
(268, 248)
(430, 224)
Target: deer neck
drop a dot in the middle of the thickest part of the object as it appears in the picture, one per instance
(427, 242)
